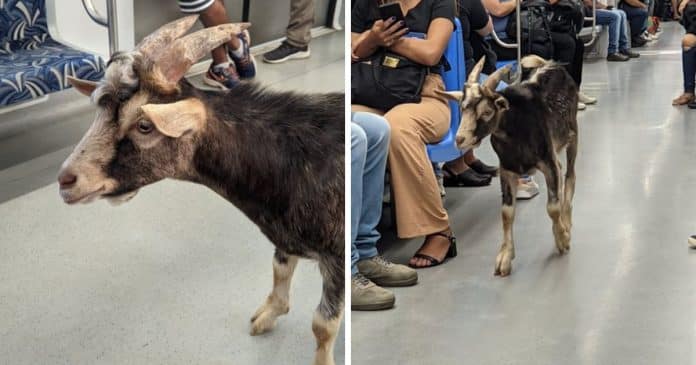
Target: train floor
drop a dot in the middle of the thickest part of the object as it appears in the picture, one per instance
(625, 292)
(172, 277)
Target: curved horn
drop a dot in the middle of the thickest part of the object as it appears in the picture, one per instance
(185, 51)
(474, 75)
(494, 79)
(160, 39)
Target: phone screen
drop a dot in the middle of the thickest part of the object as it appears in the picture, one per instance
(387, 11)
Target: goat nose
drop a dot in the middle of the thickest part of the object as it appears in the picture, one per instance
(459, 140)
(66, 179)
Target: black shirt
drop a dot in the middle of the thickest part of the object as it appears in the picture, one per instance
(473, 16)
(366, 12)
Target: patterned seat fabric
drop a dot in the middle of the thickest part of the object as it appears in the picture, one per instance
(32, 64)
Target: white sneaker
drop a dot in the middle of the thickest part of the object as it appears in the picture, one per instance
(527, 188)
(586, 99)
(692, 241)
(581, 106)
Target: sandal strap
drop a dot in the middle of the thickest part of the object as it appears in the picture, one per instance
(449, 237)
(433, 261)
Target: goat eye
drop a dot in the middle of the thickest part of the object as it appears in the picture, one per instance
(145, 127)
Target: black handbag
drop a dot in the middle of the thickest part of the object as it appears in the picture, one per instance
(536, 31)
(385, 80)
(567, 16)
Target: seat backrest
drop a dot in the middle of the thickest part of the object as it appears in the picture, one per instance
(455, 77)
(22, 24)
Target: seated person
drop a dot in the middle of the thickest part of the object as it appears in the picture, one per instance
(419, 209)
(687, 9)
(468, 170)
(370, 271)
(637, 14)
(222, 73)
(619, 49)
(568, 49)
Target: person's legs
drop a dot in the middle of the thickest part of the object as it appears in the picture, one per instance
(569, 51)
(622, 30)
(688, 70)
(610, 18)
(216, 14)
(300, 24)
(636, 18)
(358, 154)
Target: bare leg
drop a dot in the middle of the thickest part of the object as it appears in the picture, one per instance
(278, 302)
(216, 14)
(327, 318)
(554, 186)
(508, 184)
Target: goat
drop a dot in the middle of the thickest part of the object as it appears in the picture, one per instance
(529, 123)
(277, 156)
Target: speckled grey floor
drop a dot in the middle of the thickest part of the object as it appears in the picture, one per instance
(170, 278)
(626, 292)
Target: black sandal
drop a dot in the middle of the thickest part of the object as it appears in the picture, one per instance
(451, 252)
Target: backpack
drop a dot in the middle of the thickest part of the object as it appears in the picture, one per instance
(567, 16)
(536, 31)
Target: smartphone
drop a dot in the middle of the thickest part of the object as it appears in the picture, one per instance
(387, 11)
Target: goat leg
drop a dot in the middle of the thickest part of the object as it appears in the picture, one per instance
(327, 318)
(508, 185)
(554, 187)
(569, 189)
(278, 302)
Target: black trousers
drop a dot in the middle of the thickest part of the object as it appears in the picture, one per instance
(567, 50)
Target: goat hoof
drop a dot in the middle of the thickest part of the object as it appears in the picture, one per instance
(503, 264)
(262, 323)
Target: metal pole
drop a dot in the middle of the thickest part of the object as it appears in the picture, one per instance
(518, 74)
(112, 19)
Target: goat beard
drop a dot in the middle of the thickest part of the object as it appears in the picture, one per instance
(118, 199)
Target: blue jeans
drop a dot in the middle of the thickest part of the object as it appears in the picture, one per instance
(616, 20)
(369, 145)
(637, 17)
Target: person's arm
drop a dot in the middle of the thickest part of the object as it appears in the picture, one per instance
(488, 29)
(382, 34)
(500, 9)
(426, 51)
(479, 19)
(636, 4)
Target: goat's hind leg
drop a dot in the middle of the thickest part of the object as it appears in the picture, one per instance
(508, 185)
(569, 186)
(554, 186)
(278, 302)
(327, 318)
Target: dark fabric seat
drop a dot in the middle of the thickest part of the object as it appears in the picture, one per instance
(32, 64)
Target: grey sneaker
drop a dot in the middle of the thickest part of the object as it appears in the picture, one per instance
(385, 273)
(366, 296)
(285, 52)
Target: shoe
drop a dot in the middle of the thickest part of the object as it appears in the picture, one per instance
(366, 296)
(630, 54)
(692, 241)
(246, 64)
(527, 188)
(586, 99)
(684, 99)
(637, 42)
(483, 169)
(692, 105)
(385, 273)
(581, 106)
(286, 52)
(617, 57)
(468, 178)
(451, 252)
(222, 77)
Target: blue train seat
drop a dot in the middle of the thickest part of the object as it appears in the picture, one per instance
(454, 79)
(32, 64)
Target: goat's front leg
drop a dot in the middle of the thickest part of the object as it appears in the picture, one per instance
(278, 302)
(554, 187)
(327, 318)
(508, 185)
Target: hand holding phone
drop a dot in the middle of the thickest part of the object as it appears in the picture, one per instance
(391, 27)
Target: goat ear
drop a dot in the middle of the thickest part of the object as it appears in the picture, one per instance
(85, 87)
(451, 95)
(502, 104)
(176, 119)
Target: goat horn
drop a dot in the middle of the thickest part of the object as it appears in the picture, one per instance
(494, 79)
(474, 75)
(160, 39)
(185, 51)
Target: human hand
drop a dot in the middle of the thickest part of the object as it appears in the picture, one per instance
(385, 32)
